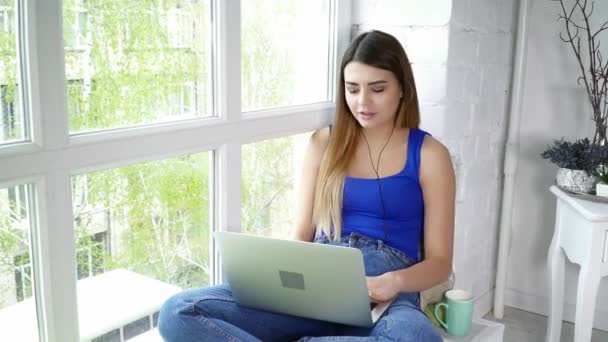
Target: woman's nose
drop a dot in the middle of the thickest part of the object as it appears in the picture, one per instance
(363, 97)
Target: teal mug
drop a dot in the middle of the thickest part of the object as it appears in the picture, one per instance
(458, 312)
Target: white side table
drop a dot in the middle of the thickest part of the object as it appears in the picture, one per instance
(581, 234)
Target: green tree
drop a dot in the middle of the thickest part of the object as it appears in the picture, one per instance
(8, 73)
(267, 82)
(266, 68)
(14, 242)
(159, 212)
(130, 61)
(131, 58)
(267, 186)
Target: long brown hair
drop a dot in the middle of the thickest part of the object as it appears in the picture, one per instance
(380, 50)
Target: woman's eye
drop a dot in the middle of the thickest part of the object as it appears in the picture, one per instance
(378, 90)
(352, 91)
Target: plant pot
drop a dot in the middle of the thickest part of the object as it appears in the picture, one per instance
(601, 189)
(575, 180)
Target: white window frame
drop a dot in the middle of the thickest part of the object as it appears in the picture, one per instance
(52, 156)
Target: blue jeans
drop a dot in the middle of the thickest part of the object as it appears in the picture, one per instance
(210, 314)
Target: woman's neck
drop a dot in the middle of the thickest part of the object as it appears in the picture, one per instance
(379, 135)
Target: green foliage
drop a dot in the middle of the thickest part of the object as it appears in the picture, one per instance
(13, 239)
(266, 68)
(266, 185)
(90, 254)
(602, 175)
(8, 71)
(601, 157)
(136, 71)
(14, 242)
(161, 208)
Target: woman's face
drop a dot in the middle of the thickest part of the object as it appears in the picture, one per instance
(372, 94)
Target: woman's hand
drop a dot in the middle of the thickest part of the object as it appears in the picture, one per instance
(382, 288)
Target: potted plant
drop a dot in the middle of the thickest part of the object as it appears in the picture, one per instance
(581, 163)
(577, 164)
(601, 171)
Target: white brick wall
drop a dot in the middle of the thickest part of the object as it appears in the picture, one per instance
(462, 68)
(479, 59)
(402, 12)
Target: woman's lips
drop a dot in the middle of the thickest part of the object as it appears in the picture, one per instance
(366, 115)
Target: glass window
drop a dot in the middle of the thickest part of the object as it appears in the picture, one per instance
(284, 53)
(136, 328)
(136, 62)
(270, 178)
(12, 118)
(142, 233)
(17, 306)
(112, 336)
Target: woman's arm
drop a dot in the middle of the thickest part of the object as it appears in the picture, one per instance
(438, 184)
(304, 229)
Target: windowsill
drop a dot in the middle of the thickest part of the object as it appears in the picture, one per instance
(106, 302)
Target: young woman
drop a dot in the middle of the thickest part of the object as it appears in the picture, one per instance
(372, 181)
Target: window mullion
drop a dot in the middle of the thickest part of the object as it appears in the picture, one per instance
(342, 17)
(227, 97)
(55, 254)
(227, 195)
(227, 44)
(48, 80)
(53, 245)
(230, 187)
(38, 248)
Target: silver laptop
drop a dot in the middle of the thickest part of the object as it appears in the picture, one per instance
(304, 279)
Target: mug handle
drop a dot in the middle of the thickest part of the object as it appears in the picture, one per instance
(439, 305)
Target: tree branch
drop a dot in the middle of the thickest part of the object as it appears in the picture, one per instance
(604, 27)
(9, 232)
(595, 81)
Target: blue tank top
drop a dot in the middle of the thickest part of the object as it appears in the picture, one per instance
(402, 194)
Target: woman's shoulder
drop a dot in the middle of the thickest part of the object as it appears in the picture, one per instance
(320, 139)
(431, 144)
(433, 154)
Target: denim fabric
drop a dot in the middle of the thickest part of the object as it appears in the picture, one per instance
(210, 314)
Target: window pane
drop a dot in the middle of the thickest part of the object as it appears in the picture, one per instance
(136, 328)
(135, 62)
(142, 234)
(17, 306)
(285, 52)
(270, 178)
(12, 119)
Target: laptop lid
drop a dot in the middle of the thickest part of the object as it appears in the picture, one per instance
(311, 280)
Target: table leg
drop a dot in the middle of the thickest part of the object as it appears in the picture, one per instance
(556, 282)
(588, 283)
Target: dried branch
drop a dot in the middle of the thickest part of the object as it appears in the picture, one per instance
(604, 27)
(594, 70)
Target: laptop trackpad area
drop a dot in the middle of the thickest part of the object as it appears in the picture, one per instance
(292, 280)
